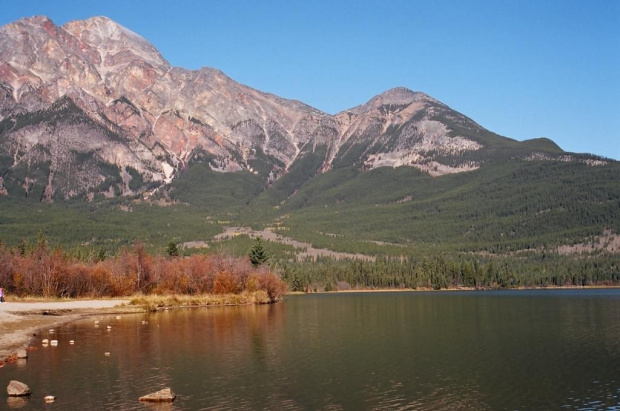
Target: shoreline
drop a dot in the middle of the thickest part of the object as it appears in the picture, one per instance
(428, 289)
(23, 321)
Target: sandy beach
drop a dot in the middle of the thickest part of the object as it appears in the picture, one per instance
(21, 321)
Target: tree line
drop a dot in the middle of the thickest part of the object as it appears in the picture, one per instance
(36, 269)
(453, 271)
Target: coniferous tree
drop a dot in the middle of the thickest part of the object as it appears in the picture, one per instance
(172, 250)
(258, 255)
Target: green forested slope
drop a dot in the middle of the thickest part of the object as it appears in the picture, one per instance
(499, 208)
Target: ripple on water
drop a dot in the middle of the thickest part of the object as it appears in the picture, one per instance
(401, 351)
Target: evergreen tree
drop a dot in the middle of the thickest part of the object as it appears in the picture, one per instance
(258, 255)
(172, 250)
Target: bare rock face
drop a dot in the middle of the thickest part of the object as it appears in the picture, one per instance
(17, 389)
(165, 395)
(404, 128)
(92, 108)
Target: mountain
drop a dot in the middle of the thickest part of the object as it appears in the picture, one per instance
(91, 108)
(97, 128)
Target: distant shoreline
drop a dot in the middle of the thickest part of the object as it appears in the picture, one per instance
(413, 290)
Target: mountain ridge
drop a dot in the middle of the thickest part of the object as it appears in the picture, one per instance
(103, 141)
(152, 120)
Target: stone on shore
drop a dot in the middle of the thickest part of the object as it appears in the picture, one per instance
(17, 389)
(165, 395)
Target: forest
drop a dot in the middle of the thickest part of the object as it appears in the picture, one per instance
(267, 271)
(453, 272)
(497, 227)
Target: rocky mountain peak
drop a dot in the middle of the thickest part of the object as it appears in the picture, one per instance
(94, 95)
(395, 97)
(34, 21)
(400, 95)
(110, 37)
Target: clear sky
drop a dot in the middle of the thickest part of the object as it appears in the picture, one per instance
(521, 68)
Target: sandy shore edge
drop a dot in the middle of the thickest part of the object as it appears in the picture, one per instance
(22, 322)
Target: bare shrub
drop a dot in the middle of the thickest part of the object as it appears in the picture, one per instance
(53, 273)
(226, 283)
(273, 285)
(252, 282)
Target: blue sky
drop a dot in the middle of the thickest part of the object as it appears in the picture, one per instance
(523, 69)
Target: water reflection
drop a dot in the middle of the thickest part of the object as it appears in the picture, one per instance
(523, 350)
(15, 403)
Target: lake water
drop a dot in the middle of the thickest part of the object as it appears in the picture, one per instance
(412, 350)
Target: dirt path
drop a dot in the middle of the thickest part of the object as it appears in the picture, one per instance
(310, 251)
(19, 322)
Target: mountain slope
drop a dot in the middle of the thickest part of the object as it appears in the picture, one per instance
(164, 113)
(498, 208)
(166, 118)
(97, 130)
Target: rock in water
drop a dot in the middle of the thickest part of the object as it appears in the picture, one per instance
(22, 354)
(17, 389)
(165, 395)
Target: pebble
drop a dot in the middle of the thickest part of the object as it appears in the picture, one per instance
(45, 341)
(49, 398)
(54, 343)
(71, 342)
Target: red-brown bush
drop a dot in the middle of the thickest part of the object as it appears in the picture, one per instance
(226, 283)
(53, 273)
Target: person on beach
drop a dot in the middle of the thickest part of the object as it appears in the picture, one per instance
(2, 295)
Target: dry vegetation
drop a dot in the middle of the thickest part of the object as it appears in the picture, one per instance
(55, 274)
(155, 302)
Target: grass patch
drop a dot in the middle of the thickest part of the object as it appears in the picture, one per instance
(157, 302)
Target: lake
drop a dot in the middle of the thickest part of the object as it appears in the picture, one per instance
(493, 350)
